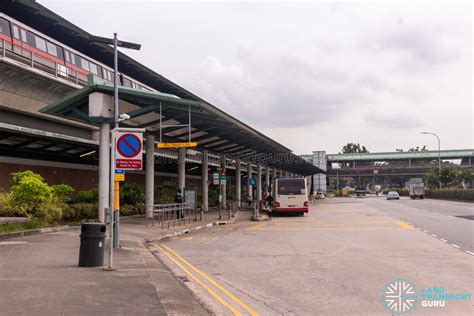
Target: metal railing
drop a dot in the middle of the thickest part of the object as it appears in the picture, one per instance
(172, 214)
(29, 58)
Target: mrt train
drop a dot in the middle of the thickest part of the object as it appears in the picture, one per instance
(29, 46)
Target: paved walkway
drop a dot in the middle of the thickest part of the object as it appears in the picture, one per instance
(39, 276)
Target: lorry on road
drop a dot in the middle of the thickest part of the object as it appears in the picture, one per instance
(417, 188)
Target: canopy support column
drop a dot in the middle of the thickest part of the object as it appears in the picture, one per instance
(149, 175)
(237, 183)
(104, 169)
(205, 180)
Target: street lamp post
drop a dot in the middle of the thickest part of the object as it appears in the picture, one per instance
(439, 155)
(116, 43)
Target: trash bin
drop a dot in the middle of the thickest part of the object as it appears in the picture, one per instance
(91, 252)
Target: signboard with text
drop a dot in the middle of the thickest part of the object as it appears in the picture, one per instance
(128, 151)
(177, 145)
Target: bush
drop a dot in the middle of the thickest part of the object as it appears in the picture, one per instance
(63, 192)
(29, 189)
(9, 207)
(50, 211)
(131, 193)
(451, 194)
(213, 195)
(83, 211)
(164, 193)
(89, 196)
(127, 209)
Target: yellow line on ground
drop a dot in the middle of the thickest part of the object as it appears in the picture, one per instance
(204, 286)
(258, 226)
(404, 225)
(306, 229)
(210, 280)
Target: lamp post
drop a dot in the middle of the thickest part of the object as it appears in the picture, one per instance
(439, 155)
(116, 43)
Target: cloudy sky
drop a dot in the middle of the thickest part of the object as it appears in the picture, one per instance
(312, 75)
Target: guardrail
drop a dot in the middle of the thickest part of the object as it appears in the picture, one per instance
(175, 213)
(29, 58)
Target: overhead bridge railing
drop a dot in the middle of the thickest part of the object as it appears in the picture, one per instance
(172, 214)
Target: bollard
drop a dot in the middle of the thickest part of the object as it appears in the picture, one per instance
(91, 251)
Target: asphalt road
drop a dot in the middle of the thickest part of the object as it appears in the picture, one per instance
(439, 218)
(336, 260)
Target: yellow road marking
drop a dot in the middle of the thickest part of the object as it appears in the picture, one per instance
(404, 225)
(282, 229)
(258, 226)
(217, 285)
(204, 286)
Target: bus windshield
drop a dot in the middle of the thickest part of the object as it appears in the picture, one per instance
(291, 187)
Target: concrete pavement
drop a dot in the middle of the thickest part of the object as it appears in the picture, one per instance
(334, 261)
(39, 276)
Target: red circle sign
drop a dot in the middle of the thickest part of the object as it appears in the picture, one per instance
(129, 145)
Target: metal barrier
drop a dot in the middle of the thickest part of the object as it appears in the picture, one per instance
(173, 213)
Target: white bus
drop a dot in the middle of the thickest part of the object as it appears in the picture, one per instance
(290, 196)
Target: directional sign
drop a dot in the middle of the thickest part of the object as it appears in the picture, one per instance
(128, 153)
(215, 178)
(253, 181)
(177, 145)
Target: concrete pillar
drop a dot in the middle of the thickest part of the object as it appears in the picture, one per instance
(259, 183)
(149, 175)
(249, 176)
(267, 178)
(205, 181)
(224, 183)
(409, 163)
(238, 184)
(181, 168)
(281, 173)
(104, 169)
(275, 171)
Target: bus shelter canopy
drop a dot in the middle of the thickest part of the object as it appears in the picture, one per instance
(213, 129)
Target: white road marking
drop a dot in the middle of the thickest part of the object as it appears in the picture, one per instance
(455, 246)
(16, 242)
(434, 235)
(471, 253)
(424, 230)
(442, 239)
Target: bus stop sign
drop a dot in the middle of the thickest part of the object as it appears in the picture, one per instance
(128, 151)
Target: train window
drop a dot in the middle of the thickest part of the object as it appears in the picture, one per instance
(40, 43)
(52, 49)
(93, 68)
(16, 32)
(73, 59)
(4, 27)
(66, 55)
(84, 64)
(23, 36)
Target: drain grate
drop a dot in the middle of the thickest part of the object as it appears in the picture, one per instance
(471, 217)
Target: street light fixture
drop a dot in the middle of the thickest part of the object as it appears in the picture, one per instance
(116, 43)
(439, 155)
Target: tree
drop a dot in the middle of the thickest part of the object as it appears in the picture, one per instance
(424, 148)
(353, 148)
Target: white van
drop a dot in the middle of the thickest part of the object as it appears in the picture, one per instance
(290, 195)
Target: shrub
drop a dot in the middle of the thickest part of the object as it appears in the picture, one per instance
(9, 207)
(29, 189)
(50, 211)
(63, 192)
(84, 211)
(164, 193)
(213, 195)
(451, 194)
(131, 193)
(89, 196)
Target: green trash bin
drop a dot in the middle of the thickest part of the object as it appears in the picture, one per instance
(91, 252)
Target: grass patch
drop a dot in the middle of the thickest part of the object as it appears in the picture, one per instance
(15, 227)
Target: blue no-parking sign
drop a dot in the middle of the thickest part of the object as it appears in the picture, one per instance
(128, 150)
